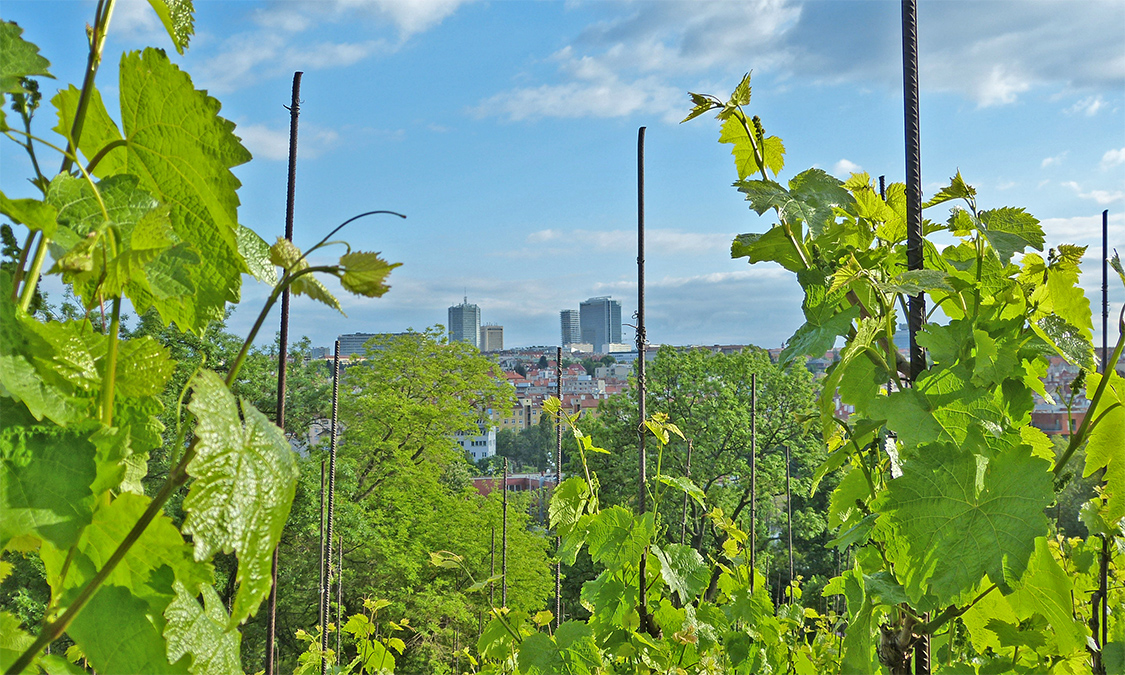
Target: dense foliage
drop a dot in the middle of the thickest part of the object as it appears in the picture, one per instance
(144, 490)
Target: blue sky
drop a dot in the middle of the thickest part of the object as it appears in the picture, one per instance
(506, 131)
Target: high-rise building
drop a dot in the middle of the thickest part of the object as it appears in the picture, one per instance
(354, 343)
(491, 338)
(464, 323)
(600, 321)
(571, 327)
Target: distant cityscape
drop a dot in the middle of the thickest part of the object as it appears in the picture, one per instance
(596, 365)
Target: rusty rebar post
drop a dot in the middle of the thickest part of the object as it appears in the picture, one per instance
(331, 505)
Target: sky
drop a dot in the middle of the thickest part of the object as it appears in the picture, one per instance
(507, 131)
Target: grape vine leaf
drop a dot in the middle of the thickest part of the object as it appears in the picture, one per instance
(683, 569)
(245, 479)
(49, 496)
(959, 520)
(365, 273)
(859, 647)
(32, 213)
(120, 633)
(771, 245)
(1045, 589)
(771, 149)
(569, 502)
(1067, 339)
(572, 650)
(256, 252)
(202, 631)
(13, 639)
(1105, 447)
(957, 189)
(182, 151)
(288, 257)
(1011, 230)
(159, 545)
(100, 135)
(18, 58)
(176, 15)
(618, 538)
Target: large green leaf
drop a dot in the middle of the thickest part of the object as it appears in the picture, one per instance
(182, 152)
(203, 632)
(176, 15)
(859, 644)
(160, 544)
(245, 477)
(815, 194)
(32, 213)
(100, 136)
(120, 633)
(569, 501)
(618, 538)
(1106, 447)
(959, 518)
(18, 58)
(48, 496)
(683, 569)
(1045, 589)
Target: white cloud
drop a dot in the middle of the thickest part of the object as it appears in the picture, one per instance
(268, 143)
(1048, 161)
(1000, 87)
(1088, 106)
(1112, 158)
(1083, 230)
(844, 168)
(1102, 197)
(990, 53)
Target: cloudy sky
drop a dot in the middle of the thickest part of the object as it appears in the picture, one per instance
(506, 131)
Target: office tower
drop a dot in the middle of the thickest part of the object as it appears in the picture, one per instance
(600, 321)
(491, 338)
(464, 323)
(571, 327)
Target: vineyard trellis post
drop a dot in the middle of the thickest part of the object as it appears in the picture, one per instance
(753, 477)
(331, 505)
(283, 354)
(492, 569)
(642, 607)
(917, 303)
(321, 582)
(558, 481)
(340, 598)
(789, 515)
(687, 474)
(1100, 606)
(504, 543)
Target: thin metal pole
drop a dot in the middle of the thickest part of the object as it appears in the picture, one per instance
(642, 607)
(283, 354)
(492, 570)
(331, 501)
(683, 516)
(558, 481)
(917, 304)
(321, 581)
(504, 543)
(340, 599)
(789, 511)
(1105, 293)
(753, 477)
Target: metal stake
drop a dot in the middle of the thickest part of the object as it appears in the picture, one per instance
(321, 579)
(789, 515)
(283, 352)
(642, 607)
(753, 478)
(504, 543)
(558, 481)
(331, 504)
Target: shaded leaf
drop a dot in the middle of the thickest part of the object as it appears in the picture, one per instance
(202, 631)
(119, 633)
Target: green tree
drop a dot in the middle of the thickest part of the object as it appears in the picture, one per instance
(708, 397)
(530, 448)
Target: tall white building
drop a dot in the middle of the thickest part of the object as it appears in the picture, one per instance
(464, 323)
